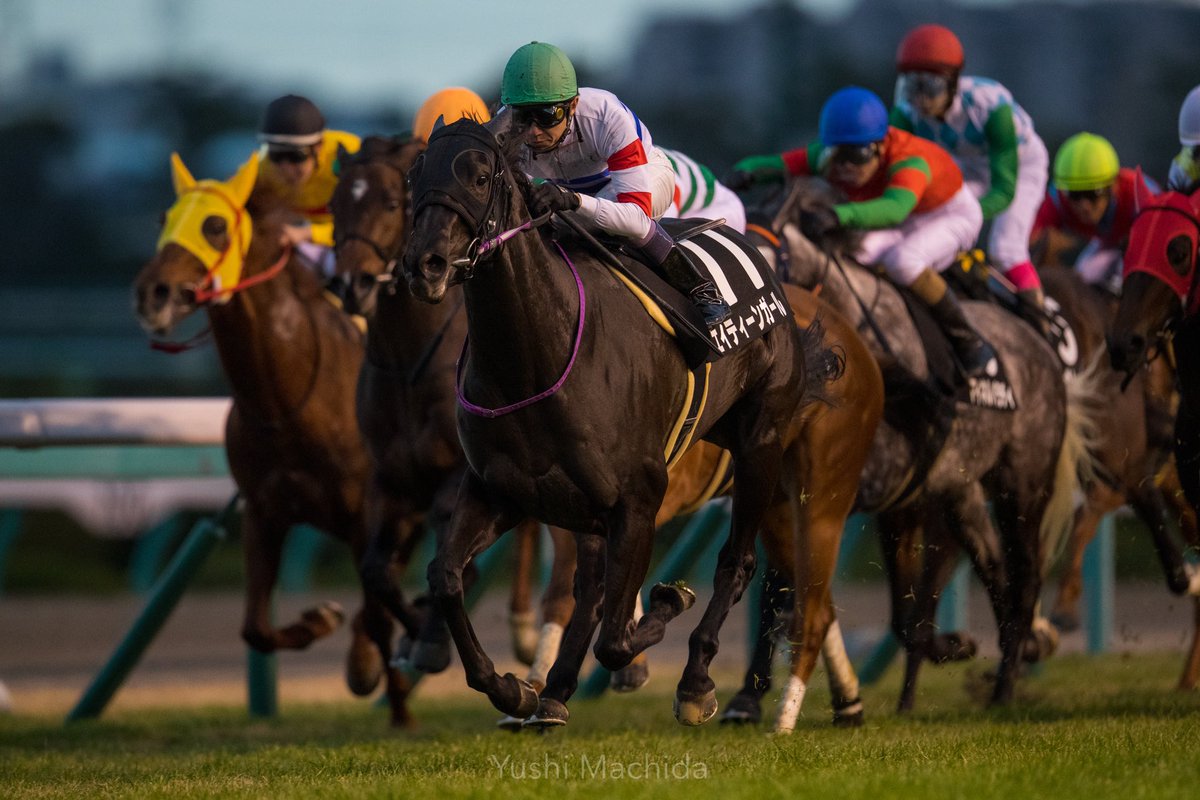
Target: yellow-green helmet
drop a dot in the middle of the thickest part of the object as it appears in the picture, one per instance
(1085, 161)
(538, 74)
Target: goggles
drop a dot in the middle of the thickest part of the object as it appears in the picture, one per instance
(544, 117)
(929, 85)
(288, 156)
(856, 154)
(1078, 195)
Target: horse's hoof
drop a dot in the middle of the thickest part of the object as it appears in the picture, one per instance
(324, 619)
(630, 678)
(364, 667)
(742, 710)
(1041, 643)
(1065, 621)
(526, 697)
(549, 714)
(677, 596)
(401, 660)
(510, 724)
(430, 657)
(849, 715)
(696, 710)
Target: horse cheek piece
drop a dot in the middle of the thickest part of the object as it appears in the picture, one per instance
(579, 459)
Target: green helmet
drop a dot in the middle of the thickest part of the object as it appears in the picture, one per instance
(1085, 161)
(538, 74)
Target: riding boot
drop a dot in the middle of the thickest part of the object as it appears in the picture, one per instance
(677, 269)
(1032, 308)
(974, 353)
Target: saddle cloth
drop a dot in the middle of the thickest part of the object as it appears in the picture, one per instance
(741, 275)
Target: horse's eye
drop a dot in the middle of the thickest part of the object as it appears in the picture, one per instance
(481, 181)
(393, 204)
(215, 231)
(1179, 254)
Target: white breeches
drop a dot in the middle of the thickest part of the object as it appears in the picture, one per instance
(930, 239)
(725, 204)
(1008, 241)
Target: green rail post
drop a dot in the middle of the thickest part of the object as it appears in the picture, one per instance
(12, 522)
(694, 539)
(304, 544)
(952, 607)
(200, 542)
(1098, 580)
(262, 681)
(150, 552)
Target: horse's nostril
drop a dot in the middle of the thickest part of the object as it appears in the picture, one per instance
(161, 291)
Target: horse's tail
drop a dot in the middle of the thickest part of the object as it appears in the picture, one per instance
(1077, 466)
(822, 365)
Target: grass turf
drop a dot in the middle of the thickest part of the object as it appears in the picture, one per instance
(1088, 727)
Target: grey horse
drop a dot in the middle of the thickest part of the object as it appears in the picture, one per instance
(932, 503)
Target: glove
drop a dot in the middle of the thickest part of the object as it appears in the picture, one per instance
(547, 198)
(753, 170)
(818, 223)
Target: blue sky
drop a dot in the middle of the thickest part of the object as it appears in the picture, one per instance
(355, 51)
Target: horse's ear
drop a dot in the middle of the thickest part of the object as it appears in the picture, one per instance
(342, 155)
(180, 177)
(242, 183)
(438, 123)
(1142, 196)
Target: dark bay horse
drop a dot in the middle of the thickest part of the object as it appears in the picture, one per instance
(569, 393)
(1158, 316)
(291, 359)
(1133, 446)
(930, 505)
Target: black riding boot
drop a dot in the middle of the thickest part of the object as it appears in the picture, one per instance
(679, 271)
(977, 357)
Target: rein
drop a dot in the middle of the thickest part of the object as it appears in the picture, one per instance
(492, 413)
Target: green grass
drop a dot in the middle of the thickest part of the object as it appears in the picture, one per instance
(1109, 727)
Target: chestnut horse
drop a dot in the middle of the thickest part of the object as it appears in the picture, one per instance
(932, 504)
(586, 454)
(1133, 447)
(291, 359)
(1158, 314)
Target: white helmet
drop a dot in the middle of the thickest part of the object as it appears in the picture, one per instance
(1189, 119)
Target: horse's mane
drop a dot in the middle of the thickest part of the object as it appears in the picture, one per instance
(811, 194)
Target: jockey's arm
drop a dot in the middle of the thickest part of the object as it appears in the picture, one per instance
(630, 213)
(1184, 175)
(908, 180)
(1001, 135)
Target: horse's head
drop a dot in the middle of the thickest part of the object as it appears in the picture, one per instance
(1160, 275)
(782, 212)
(371, 211)
(463, 191)
(201, 250)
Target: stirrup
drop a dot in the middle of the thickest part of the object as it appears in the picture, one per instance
(711, 305)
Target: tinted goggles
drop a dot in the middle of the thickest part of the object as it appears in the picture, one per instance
(923, 84)
(288, 156)
(542, 116)
(1092, 195)
(856, 154)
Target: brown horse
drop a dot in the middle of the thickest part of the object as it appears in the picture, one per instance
(1159, 313)
(937, 459)
(587, 454)
(1133, 447)
(291, 359)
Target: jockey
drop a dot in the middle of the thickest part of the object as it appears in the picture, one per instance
(698, 193)
(299, 166)
(1093, 196)
(904, 190)
(1002, 159)
(1185, 169)
(593, 155)
(446, 106)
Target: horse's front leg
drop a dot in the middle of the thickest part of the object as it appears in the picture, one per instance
(756, 477)
(563, 678)
(475, 526)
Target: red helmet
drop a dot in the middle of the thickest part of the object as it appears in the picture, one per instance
(930, 48)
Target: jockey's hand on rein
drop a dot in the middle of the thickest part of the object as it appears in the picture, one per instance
(818, 223)
(548, 197)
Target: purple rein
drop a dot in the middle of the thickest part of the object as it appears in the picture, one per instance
(492, 413)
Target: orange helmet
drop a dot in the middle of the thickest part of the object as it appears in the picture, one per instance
(449, 105)
(930, 48)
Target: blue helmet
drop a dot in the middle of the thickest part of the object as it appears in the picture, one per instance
(853, 115)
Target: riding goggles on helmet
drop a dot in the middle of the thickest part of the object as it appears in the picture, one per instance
(923, 84)
(1089, 194)
(546, 116)
(288, 155)
(856, 154)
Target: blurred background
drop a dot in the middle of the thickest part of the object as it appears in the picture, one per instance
(95, 96)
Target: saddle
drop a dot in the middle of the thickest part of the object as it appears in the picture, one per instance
(973, 277)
